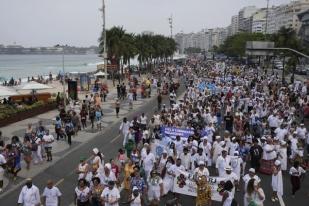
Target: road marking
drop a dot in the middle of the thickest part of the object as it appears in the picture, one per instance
(280, 200)
(113, 140)
(59, 182)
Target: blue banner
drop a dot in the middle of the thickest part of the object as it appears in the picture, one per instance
(172, 132)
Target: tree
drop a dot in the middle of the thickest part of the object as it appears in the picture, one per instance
(235, 46)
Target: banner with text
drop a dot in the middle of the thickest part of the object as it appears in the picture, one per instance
(172, 132)
(185, 184)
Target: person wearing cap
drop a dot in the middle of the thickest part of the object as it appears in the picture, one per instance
(217, 149)
(2, 167)
(51, 195)
(108, 175)
(301, 132)
(201, 170)
(29, 195)
(251, 175)
(136, 198)
(199, 156)
(276, 181)
(236, 164)
(223, 160)
(206, 146)
(230, 175)
(110, 195)
(82, 168)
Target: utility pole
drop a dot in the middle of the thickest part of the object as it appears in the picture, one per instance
(104, 41)
(170, 21)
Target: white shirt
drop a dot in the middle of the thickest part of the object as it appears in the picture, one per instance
(267, 155)
(143, 120)
(29, 197)
(201, 173)
(110, 196)
(2, 162)
(297, 172)
(280, 133)
(301, 132)
(48, 139)
(52, 196)
(149, 161)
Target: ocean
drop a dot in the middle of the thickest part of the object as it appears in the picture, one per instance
(23, 66)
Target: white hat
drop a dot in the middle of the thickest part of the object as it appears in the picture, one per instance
(236, 153)
(263, 138)
(224, 150)
(95, 150)
(164, 152)
(283, 142)
(302, 124)
(252, 170)
(294, 132)
(108, 165)
(228, 168)
(233, 138)
(201, 163)
(277, 162)
(218, 137)
(135, 188)
(276, 138)
(205, 138)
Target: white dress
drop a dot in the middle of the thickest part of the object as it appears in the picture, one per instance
(277, 183)
(168, 181)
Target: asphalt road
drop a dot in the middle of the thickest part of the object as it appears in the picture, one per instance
(63, 171)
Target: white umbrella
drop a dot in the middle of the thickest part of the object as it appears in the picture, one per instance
(6, 92)
(100, 73)
(33, 86)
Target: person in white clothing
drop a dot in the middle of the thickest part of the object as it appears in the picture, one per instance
(229, 175)
(124, 130)
(51, 195)
(148, 161)
(276, 181)
(136, 199)
(249, 176)
(206, 146)
(2, 166)
(222, 161)
(110, 195)
(236, 164)
(201, 170)
(48, 140)
(29, 195)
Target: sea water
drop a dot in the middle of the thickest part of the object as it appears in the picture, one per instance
(24, 66)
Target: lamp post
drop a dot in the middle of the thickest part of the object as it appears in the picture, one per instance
(104, 41)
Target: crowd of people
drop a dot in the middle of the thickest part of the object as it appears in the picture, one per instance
(240, 126)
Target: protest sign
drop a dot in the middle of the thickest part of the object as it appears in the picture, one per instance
(185, 184)
(172, 132)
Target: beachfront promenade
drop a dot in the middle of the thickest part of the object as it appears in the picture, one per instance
(61, 148)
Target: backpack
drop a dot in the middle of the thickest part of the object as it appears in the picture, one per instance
(69, 129)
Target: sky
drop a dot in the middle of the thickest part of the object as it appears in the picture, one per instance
(79, 22)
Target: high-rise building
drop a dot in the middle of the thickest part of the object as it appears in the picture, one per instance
(258, 21)
(234, 25)
(244, 18)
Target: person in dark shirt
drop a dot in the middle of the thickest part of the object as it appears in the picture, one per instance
(256, 152)
(229, 122)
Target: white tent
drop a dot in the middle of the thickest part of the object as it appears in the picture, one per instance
(33, 86)
(6, 91)
(100, 73)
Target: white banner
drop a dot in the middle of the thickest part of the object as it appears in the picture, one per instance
(185, 184)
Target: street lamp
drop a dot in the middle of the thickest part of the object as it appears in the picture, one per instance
(104, 41)
(63, 78)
